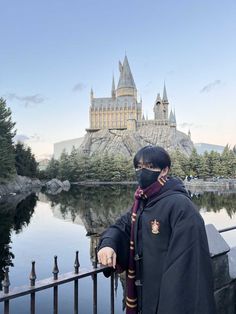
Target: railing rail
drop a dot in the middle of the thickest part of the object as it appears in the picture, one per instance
(227, 229)
(54, 282)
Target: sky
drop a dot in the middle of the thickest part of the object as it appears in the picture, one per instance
(53, 52)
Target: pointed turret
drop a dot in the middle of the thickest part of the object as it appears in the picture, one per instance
(189, 134)
(174, 116)
(113, 88)
(158, 99)
(164, 98)
(126, 85)
(91, 95)
(172, 119)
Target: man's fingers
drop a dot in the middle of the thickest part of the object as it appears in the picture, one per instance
(107, 257)
(114, 261)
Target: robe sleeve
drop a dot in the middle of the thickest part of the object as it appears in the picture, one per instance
(117, 236)
(187, 280)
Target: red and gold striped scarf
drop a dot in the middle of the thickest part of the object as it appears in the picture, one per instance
(131, 293)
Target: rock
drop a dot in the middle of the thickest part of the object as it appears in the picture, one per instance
(127, 142)
(53, 186)
(66, 185)
(19, 184)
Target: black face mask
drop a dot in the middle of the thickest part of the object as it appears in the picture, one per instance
(146, 177)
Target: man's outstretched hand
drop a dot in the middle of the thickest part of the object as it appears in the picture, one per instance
(107, 256)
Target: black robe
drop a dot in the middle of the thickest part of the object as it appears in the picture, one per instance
(173, 266)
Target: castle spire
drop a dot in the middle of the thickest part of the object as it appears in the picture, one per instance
(158, 99)
(91, 95)
(189, 134)
(164, 98)
(126, 85)
(172, 119)
(113, 88)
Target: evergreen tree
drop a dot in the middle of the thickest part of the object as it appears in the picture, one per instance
(194, 163)
(25, 162)
(64, 166)
(83, 165)
(203, 167)
(228, 162)
(94, 167)
(52, 170)
(179, 164)
(7, 154)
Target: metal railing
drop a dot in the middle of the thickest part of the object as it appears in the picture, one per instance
(57, 280)
(227, 229)
(6, 295)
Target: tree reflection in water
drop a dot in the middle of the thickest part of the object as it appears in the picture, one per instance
(14, 215)
(99, 206)
(214, 202)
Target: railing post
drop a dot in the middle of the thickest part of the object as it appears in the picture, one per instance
(32, 284)
(112, 294)
(55, 289)
(76, 283)
(95, 297)
(6, 285)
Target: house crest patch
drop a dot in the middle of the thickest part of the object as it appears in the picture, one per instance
(155, 225)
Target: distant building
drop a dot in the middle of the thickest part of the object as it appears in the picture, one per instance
(67, 146)
(43, 163)
(206, 147)
(122, 111)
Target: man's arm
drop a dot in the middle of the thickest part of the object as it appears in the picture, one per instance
(114, 243)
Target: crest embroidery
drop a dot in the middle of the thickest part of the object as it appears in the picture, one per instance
(155, 226)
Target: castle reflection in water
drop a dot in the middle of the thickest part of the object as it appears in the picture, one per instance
(94, 207)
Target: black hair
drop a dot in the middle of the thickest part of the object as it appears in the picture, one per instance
(155, 155)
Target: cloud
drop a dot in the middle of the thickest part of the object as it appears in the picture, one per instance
(23, 138)
(186, 125)
(78, 87)
(209, 87)
(27, 100)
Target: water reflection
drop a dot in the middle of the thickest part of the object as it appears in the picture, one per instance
(211, 201)
(14, 215)
(94, 207)
(98, 207)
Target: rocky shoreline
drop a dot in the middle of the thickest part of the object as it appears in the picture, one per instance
(23, 185)
(19, 185)
(218, 185)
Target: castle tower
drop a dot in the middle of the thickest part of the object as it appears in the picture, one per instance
(126, 85)
(165, 103)
(114, 112)
(172, 119)
(189, 134)
(113, 88)
(158, 108)
(131, 123)
(91, 96)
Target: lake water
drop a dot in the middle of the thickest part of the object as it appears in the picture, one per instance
(41, 226)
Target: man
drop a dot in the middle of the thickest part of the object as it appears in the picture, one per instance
(161, 243)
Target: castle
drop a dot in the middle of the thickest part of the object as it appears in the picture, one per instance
(118, 126)
(123, 111)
